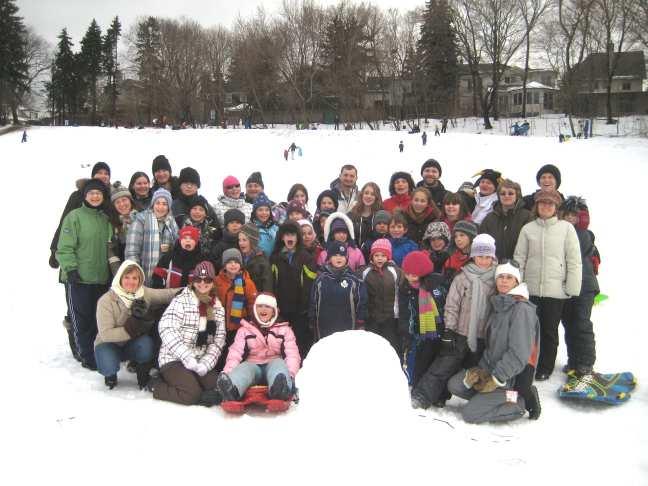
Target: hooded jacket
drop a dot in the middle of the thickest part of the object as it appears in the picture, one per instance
(355, 258)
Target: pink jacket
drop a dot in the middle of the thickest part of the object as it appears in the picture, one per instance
(279, 343)
(355, 258)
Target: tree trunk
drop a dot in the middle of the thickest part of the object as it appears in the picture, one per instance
(608, 104)
(526, 74)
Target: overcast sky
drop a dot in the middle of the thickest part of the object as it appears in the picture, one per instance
(48, 17)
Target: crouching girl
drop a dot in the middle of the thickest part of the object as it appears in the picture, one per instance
(264, 352)
(501, 387)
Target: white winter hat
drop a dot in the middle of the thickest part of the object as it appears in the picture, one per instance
(508, 269)
(266, 298)
(483, 245)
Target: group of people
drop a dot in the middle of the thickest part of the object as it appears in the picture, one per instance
(468, 287)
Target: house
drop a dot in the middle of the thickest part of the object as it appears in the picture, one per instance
(386, 92)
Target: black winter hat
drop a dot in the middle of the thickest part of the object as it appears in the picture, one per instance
(99, 166)
(467, 227)
(160, 163)
(234, 215)
(287, 227)
(327, 193)
(189, 174)
(401, 175)
(549, 169)
(255, 177)
(489, 174)
(573, 204)
(431, 163)
(198, 200)
(96, 185)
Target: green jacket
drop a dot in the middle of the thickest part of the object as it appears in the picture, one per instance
(83, 245)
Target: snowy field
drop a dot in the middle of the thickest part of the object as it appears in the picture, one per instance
(353, 425)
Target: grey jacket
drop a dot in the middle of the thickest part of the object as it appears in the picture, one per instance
(512, 338)
(549, 255)
(456, 312)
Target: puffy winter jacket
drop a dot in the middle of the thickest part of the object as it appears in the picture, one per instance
(224, 203)
(549, 255)
(382, 291)
(267, 235)
(355, 258)
(505, 227)
(397, 202)
(179, 329)
(255, 346)
(401, 247)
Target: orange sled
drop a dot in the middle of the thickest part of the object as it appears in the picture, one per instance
(256, 395)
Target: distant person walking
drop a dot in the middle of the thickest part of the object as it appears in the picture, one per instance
(24, 136)
(401, 146)
(424, 138)
(292, 149)
(436, 131)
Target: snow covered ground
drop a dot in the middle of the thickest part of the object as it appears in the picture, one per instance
(60, 424)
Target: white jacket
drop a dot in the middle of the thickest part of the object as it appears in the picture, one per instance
(549, 255)
(224, 203)
(483, 207)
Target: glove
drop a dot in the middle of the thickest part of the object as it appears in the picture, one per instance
(447, 342)
(486, 383)
(190, 363)
(211, 327)
(201, 369)
(73, 277)
(472, 377)
(53, 262)
(139, 308)
(136, 327)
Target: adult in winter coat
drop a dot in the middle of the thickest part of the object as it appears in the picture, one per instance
(506, 220)
(124, 320)
(338, 227)
(175, 267)
(264, 351)
(549, 255)
(419, 214)
(162, 178)
(192, 330)
(454, 210)
(140, 189)
(486, 196)
(189, 181)
(401, 186)
(263, 219)
(345, 188)
(121, 214)
(431, 173)
(369, 202)
(232, 198)
(254, 260)
(501, 387)
(548, 179)
(82, 253)
(151, 234)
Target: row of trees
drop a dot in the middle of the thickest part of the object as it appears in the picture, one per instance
(307, 59)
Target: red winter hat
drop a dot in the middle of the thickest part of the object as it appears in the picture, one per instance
(190, 231)
(204, 269)
(381, 245)
(230, 181)
(418, 263)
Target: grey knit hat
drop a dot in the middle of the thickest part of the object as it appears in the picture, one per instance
(252, 232)
(467, 227)
(381, 216)
(119, 191)
(232, 254)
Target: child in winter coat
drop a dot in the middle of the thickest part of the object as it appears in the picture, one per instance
(309, 238)
(254, 261)
(466, 312)
(263, 218)
(327, 202)
(339, 228)
(201, 216)
(420, 213)
(401, 244)
(383, 280)
(338, 298)
(401, 186)
(296, 211)
(501, 387)
(380, 230)
(436, 241)
(462, 236)
(175, 267)
(192, 330)
(264, 352)
(420, 308)
(234, 221)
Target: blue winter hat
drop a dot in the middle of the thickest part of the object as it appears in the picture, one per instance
(261, 200)
(336, 248)
(162, 193)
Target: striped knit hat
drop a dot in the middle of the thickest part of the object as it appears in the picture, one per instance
(204, 269)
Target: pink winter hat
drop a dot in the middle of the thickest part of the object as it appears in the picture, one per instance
(230, 181)
(381, 245)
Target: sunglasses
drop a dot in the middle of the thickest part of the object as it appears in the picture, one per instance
(207, 280)
(510, 261)
(233, 187)
(507, 193)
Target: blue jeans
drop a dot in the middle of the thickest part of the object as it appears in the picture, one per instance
(110, 355)
(247, 374)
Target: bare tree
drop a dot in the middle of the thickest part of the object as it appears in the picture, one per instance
(218, 55)
(38, 60)
(640, 28)
(532, 11)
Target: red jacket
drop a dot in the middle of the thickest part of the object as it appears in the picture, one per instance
(397, 202)
(455, 261)
(251, 343)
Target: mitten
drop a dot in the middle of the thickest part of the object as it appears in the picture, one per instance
(139, 308)
(472, 377)
(73, 277)
(486, 383)
(53, 262)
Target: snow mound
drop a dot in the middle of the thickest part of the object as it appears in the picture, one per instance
(348, 370)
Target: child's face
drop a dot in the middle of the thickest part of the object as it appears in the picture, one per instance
(437, 244)
(263, 213)
(419, 203)
(295, 216)
(244, 243)
(401, 187)
(452, 210)
(379, 259)
(300, 197)
(233, 267)
(571, 218)
(188, 243)
(368, 196)
(308, 235)
(505, 283)
(462, 241)
(234, 227)
(198, 214)
(340, 236)
(396, 230)
(338, 261)
(264, 312)
(411, 278)
(483, 261)
(382, 228)
(327, 204)
(290, 240)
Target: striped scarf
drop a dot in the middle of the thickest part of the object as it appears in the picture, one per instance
(238, 301)
(429, 315)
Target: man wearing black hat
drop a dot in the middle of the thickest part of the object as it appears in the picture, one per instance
(254, 188)
(548, 179)
(162, 177)
(431, 173)
(189, 182)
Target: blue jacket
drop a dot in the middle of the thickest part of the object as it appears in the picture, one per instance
(338, 302)
(267, 235)
(401, 247)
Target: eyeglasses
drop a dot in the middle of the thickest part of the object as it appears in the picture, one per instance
(206, 280)
(232, 187)
(507, 193)
(509, 261)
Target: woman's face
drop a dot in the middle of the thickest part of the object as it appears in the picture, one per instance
(546, 210)
(123, 205)
(300, 196)
(141, 186)
(94, 198)
(130, 281)
(505, 283)
(368, 196)
(308, 235)
(160, 208)
(203, 285)
(198, 214)
(244, 243)
(401, 187)
(327, 204)
(419, 202)
(452, 211)
(233, 191)
(508, 197)
(263, 213)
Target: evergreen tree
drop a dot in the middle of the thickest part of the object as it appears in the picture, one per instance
(110, 63)
(149, 64)
(61, 89)
(13, 58)
(437, 55)
(91, 61)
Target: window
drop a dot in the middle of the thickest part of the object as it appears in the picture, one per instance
(626, 86)
(507, 79)
(536, 98)
(528, 97)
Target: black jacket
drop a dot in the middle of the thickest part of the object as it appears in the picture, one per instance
(506, 227)
(438, 192)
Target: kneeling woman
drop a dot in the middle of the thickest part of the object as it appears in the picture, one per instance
(501, 387)
(192, 331)
(124, 321)
(264, 351)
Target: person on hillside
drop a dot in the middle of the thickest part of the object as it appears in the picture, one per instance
(174, 269)
(548, 179)
(140, 189)
(121, 214)
(419, 214)
(232, 198)
(431, 173)
(263, 218)
(486, 197)
(424, 138)
(192, 330)
(345, 188)
(463, 235)
(162, 178)
(254, 260)
(401, 146)
(339, 228)
(362, 214)
(401, 186)
(500, 388)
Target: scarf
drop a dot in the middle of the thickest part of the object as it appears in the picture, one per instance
(206, 323)
(238, 301)
(479, 304)
(429, 315)
(126, 297)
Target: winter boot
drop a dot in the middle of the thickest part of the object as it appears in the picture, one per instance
(226, 388)
(209, 398)
(111, 381)
(142, 370)
(152, 383)
(533, 403)
(279, 389)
